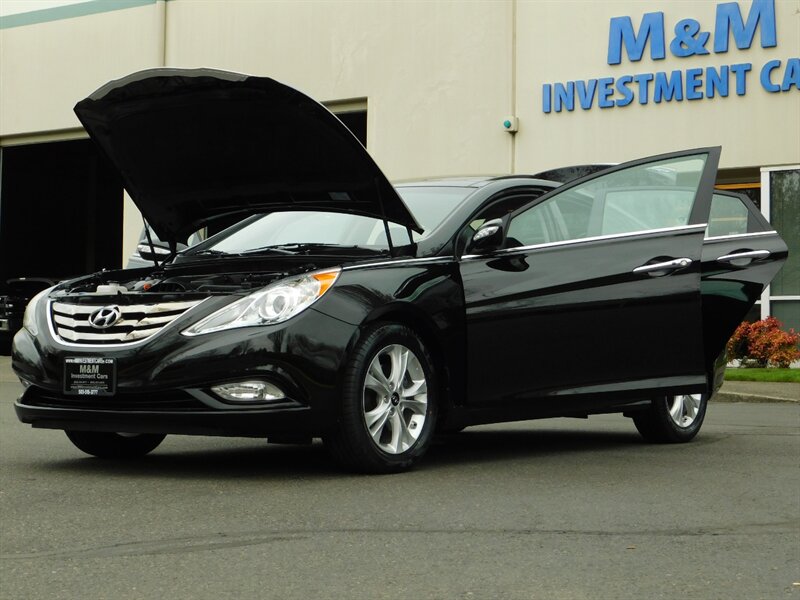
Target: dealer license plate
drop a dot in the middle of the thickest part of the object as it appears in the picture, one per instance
(90, 376)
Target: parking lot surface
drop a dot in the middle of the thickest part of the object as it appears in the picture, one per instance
(562, 508)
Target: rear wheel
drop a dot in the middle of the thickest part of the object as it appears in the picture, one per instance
(389, 403)
(672, 419)
(107, 444)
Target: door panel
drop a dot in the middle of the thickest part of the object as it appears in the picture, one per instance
(575, 318)
(741, 256)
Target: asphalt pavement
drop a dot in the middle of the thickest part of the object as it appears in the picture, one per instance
(552, 509)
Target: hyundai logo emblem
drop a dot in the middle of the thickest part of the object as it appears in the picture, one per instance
(105, 317)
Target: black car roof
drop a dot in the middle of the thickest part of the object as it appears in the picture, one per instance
(475, 181)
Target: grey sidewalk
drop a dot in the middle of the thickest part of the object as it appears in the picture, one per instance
(732, 391)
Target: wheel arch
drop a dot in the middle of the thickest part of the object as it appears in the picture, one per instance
(446, 353)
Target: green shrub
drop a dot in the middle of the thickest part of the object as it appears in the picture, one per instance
(763, 344)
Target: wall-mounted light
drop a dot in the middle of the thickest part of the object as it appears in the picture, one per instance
(511, 124)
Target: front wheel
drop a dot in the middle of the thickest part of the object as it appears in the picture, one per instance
(672, 419)
(389, 402)
(107, 444)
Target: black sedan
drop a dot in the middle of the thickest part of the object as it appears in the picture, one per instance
(370, 315)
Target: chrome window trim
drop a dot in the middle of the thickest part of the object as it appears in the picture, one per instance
(100, 347)
(586, 240)
(735, 236)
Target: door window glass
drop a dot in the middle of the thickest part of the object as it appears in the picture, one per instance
(643, 209)
(653, 195)
(497, 210)
(728, 216)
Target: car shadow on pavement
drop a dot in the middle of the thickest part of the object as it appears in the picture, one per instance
(497, 445)
(259, 460)
(267, 461)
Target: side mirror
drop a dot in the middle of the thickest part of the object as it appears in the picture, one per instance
(490, 236)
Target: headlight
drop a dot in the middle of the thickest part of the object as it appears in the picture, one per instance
(273, 304)
(29, 319)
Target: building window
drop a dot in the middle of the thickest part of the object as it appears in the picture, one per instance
(781, 205)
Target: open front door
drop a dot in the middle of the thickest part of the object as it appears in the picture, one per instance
(596, 293)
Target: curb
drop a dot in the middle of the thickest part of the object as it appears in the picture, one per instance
(735, 397)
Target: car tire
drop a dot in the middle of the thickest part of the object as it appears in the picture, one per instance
(106, 444)
(672, 419)
(389, 402)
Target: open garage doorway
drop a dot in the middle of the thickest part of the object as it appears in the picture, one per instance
(60, 211)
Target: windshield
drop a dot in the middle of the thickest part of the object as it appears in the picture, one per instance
(429, 205)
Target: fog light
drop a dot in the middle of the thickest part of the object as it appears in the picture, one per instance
(248, 391)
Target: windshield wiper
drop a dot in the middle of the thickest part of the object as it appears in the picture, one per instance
(306, 247)
(277, 248)
(206, 251)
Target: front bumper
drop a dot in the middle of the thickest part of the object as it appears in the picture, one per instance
(172, 412)
(164, 385)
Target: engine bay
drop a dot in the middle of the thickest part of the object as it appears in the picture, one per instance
(175, 281)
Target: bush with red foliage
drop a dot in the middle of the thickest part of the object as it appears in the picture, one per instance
(763, 343)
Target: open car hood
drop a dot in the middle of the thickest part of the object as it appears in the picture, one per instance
(193, 145)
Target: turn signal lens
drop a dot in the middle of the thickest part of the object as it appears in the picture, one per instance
(29, 318)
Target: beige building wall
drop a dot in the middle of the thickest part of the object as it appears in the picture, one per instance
(45, 68)
(436, 75)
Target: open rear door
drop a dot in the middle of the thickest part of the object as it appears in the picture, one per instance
(742, 253)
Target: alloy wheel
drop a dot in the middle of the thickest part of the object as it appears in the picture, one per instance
(395, 399)
(683, 408)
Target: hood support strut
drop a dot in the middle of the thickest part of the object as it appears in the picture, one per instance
(385, 220)
(150, 243)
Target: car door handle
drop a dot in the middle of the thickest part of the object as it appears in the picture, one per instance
(664, 267)
(752, 255)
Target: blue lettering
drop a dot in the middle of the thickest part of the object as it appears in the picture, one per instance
(621, 32)
(668, 89)
(717, 81)
(741, 70)
(547, 91)
(643, 80)
(564, 96)
(606, 85)
(586, 90)
(792, 75)
(693, 82)
(729, 18)
(766, 71)
(685, 43)
(622, 88)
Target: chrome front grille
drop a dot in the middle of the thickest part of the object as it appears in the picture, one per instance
(136, 322)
